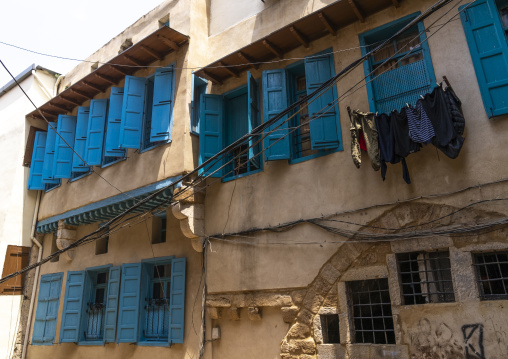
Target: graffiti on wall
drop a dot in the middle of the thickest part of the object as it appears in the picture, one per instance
(435, 341)
(473, 341)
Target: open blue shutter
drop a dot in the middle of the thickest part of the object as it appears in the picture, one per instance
(198, 89)
(323, 116)
(80, 140)
(177, 301)
(71, 314)
(49, 155)
(162, 110)
(95, 133)
(274, 101)
(112, 144)
(112, 304)
(47, 309)
(210, 137)
(35, 177)
(131, 124)
(489, 52)
(128, 310)
(62, 163)
(253, 115)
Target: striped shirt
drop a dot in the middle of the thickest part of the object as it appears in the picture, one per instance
(420, 127)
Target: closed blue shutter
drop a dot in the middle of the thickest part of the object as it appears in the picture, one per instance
(112, 145)
(210, 137)
(275, 100)
(323, 114)
(489, 52)
(131, 124)
(177, 301)
(35, 177)
(162, 113)
(80, 141)
(128, 309)
(112, 304)
(253, 115)
(47, 309)
(62, 163)
(95, 133)
(72, 308)
(49, 155)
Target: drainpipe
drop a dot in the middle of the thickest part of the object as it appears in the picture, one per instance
(36, 276)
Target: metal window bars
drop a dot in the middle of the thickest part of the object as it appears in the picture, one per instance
(370, 305)
(95, 318)
(157, 319)
(425, 277)
(492, 274)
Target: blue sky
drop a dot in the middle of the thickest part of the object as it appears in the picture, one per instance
(65, 28)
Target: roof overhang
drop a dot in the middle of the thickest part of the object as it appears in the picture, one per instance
(299, 33)
(153, 47)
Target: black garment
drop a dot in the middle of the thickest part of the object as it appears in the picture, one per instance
(444, 111)
(404, 145)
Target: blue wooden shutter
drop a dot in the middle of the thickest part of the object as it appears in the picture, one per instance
(35, 177)
(47, 309)
(95, 133)
(210, 137)
(198, 89)
(80, 140)
(128, 309)
(131, 124)
(177, 301)
(49, 155)
(253, 115)
(112, 145)
(62, 163)
(112, 304)
(323, 116)
(489, 52)
(72, 308)
(274, 101)
(162, 110)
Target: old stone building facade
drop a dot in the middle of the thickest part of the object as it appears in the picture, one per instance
(278, 246)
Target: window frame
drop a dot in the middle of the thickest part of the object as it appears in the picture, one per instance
(195, 105)
(476, 265)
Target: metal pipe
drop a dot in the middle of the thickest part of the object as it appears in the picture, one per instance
(36, 276)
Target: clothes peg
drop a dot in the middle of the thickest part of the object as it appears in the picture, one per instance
(407, 104)
(422, 97)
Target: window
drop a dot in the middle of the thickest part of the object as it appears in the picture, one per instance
(407, 74)
(90, 307)
(41, 169)
(152, 302)
(198, 89)
(492, 275)
(159, 228)
(372, 312)
(101, 244)
(485, 24)
(47, 309)
(54, 248)
(425, 277)
(330, 328)
(16, 258)
(225, 119)
(315, 130)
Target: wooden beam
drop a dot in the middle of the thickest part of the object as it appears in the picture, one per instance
(327, 24)
(248, 61)
(396, 3)
(133, 60)
(105, 78)
(299, 37)
(119, 70)
(227, 69)
(70, 100)
(49, 113)
(274, 49)
(168, 42)
(95, 87)
(212, 78)
(77, 92)
(357, 11)
(151, 52)
(63, 108)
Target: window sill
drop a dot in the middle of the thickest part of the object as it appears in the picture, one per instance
(79, 177)
(52, 188)
(120, 159)
(317, 155)
(50, 343)
(154, 344)
(92, 342)
(227, 179)
(155, 146)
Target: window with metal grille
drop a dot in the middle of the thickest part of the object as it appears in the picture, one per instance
(492, 274)
(425, 277)
(156, 327)
(330, 328)
(372, 320)
(96, 305)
